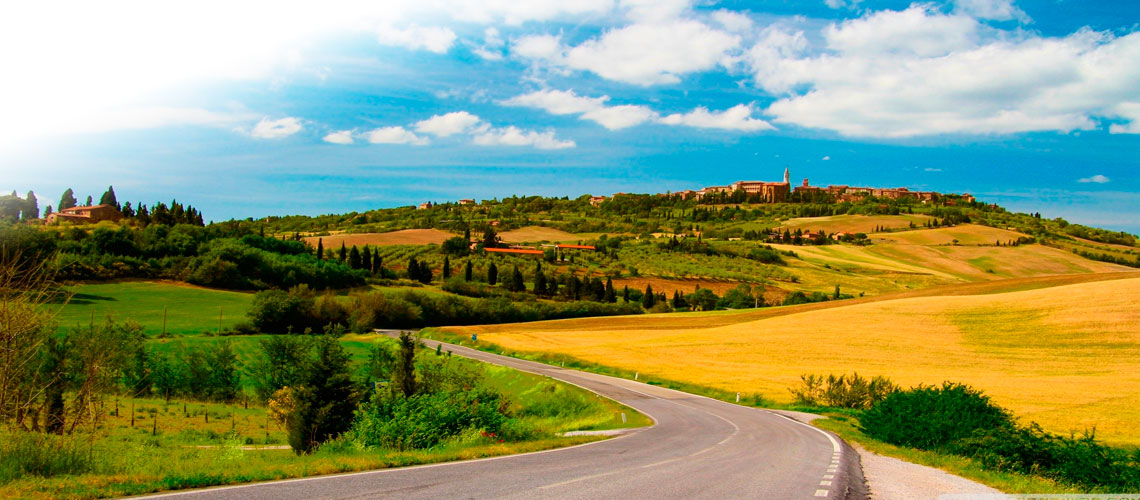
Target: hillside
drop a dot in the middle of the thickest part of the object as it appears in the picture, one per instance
(1033, 350)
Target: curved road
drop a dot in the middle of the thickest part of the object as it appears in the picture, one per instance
(699, 448)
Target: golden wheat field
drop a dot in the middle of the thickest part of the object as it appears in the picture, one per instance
(1064, 356)
(855, 223)
(401, 237)
(534, 234)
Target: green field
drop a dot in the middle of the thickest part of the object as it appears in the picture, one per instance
(188, 309)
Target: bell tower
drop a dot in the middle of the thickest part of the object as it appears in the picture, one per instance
(787, 179)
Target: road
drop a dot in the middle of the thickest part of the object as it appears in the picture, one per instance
(698, 448)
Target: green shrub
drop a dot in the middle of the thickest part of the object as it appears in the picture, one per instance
(928, 418)
(843, 391)
(425, 420)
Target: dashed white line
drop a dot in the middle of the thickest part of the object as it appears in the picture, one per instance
(820, 493)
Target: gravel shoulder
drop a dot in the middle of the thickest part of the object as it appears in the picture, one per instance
(893, 479)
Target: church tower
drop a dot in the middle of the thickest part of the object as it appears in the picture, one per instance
(787, 179)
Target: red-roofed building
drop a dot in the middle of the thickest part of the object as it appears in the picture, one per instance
(521, 251)
(86, 215)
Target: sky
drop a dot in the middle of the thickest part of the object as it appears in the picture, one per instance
(249, 109)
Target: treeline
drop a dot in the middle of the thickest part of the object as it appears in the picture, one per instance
(1107, 257)
(301, 310)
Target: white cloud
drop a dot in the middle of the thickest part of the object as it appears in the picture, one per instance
(431, 38)
(492, 48)
(838, 4)
(456, 122)
(641, 54)
(733, 21)
(558, 102)
(339, 137)
(921, 72)
(276, 129)
(932, 169)
(738, 117)
(1098, 179)
(998, 10)
(619, 117)
(826, 158)
(513, 136)
(395, 135)
(566, 102)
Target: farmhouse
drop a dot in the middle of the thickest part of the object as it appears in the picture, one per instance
(425, 206)
(597, 200)
(467, 201)
(86, 215)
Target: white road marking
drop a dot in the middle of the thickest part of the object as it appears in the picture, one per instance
(820, 493)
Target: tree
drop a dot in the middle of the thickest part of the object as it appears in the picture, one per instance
(281, 364)
(89, 201)
(467, 270)
(32, 207)
(610, 294)
(492, 274)
(457, 246)
(67, 200)
(327, 398)
(413, 269)
(648, 298)
(320, 248)
(366, 259)
(47, 211)
(109, 198)
(625, 294)
(343, 252)
(446, 267)
(354, 259)
(490, 239)
(539, 282)
(404, 376)
(516, 284)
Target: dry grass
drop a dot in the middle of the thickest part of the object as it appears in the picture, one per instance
(534, 234)
(402, 237)
(855, 223)
(687, 286)
(1063, 356)
(965, 234)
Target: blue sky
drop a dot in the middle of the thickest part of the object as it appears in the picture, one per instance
(280, 108)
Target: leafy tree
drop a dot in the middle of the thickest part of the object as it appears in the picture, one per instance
(457, 246)
(492, 274)
(67, 200)
(490, 239)
(702, 299)
(539, 282)
(327, 398)
(281, 364)
(516, 283)
(648, 298)
(109, 198)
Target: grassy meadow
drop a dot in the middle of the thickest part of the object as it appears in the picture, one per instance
(189, 309)
(1063, 356)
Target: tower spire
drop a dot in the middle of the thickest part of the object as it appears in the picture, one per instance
(787, 178)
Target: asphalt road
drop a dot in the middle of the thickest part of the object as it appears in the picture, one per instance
(698, 448)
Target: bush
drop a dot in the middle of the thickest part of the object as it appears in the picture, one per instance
(29, 454)
(843, 391)
(929, 418)
(425, 420)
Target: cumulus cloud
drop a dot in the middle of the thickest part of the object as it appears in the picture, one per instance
(456, 122)
(839, 4)
(431, 38)
(1096, 179)
(276, 129)
(338, 137)
(922, 72)
(641, 53)
(514, 136)
(826, 158)
(738, 118)
(567, 102)
(997, 10)
(395, 135)
(732, 21)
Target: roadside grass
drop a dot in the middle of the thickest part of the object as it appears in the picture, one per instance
(189, 444)
(189, 309)
(847, 428)
(1062, 356)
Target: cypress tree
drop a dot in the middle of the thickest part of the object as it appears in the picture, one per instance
(648, 299)
(404, 376)
(517, 284)
(109, 198)
(326, 401)
(467, 270)
(32, 207)
(89, 201)
(540, 283)
(446, 267)
(492, 274)
(610, 295)
(366, 260)
(413, 269)
(67, 200)
(377, 263)
(343, 254)
(625, 294)
(320, 248)
(354, 260)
